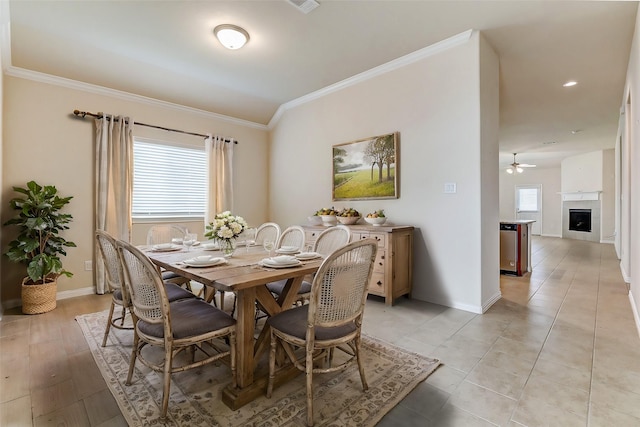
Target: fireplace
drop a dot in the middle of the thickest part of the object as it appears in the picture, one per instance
(580, 220)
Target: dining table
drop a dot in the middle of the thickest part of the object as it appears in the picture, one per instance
(244, 274)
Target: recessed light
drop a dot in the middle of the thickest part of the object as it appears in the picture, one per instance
(570, 83)
(548, 142)
(573, 132)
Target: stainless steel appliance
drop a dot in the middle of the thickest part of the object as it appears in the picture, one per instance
(514, 248)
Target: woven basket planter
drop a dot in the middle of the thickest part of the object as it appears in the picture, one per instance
(38, 299)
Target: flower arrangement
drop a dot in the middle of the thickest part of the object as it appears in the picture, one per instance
(224, 229)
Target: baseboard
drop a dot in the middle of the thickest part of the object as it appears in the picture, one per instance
(625, 276)
(452, 304)
(17, 302)
(634, 309)
(609, 242)
(552, 235)
(487, 305)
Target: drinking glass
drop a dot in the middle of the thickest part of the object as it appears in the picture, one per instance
(189, 240)
(268, 245)
(250, 237)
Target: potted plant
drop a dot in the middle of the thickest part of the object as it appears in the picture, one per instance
(39, 244)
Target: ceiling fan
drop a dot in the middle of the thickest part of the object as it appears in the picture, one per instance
(518, 167)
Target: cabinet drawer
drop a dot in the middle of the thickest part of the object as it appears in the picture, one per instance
(379, 263)
(377, 284)
(381, 238)
(310, 236)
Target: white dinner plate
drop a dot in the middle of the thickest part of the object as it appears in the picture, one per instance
(287, 251)
(267, 263)
(210, 247)
(308, 255)
(166, 248)
(210, 263)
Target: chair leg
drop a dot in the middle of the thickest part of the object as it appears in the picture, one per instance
(309, 375)
(272, 364)
(168, 363)
(134, 355)
(365, 387)
(106, 331)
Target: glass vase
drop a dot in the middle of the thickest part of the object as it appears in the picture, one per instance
(228, 247)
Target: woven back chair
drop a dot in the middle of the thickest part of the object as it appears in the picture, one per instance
(165, 233)
(292, 236)
(331, 321)
(175, 327)
(115, 280)
(331, 239)
(268, 230)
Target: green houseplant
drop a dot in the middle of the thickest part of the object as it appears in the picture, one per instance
(39, 245)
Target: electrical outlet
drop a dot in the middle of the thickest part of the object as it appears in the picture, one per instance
(88, 265)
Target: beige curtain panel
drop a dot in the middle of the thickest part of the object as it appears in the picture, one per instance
(220, 176)
(114, 174)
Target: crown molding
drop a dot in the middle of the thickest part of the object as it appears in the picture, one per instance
(126, 96)
(395, 64)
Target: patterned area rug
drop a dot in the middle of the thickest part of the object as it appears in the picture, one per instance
(196, 394)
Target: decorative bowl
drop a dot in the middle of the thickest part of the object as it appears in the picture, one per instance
(376, 222)
(348, 220)
(314, 220)
(328, 220)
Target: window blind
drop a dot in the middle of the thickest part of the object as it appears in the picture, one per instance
(169, 181)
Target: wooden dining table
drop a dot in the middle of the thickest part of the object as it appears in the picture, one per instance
(243, 275)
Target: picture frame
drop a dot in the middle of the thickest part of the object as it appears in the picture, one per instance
(366, 169)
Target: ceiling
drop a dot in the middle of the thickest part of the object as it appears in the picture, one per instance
(166, 50)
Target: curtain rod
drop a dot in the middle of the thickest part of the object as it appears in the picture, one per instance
(83, 114)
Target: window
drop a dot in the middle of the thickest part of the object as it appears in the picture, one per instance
(169, 181)
(527, 199)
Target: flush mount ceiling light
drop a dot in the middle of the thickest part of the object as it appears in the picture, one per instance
(570, 83)
(231, 36)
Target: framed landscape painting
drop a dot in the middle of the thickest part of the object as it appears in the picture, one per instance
(366, 169)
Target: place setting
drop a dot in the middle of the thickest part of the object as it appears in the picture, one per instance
(203, 261)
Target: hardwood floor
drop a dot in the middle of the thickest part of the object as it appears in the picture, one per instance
(560, 348)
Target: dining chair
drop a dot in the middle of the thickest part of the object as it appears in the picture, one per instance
(328, 241)
(115, 282)
(268, 230)
(165, 233)
(292, 236)
(189, 324)
(331, 239)
(331, 321)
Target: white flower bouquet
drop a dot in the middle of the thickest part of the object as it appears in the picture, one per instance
(225, 227)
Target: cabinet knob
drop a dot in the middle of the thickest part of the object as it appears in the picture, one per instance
(379, 283)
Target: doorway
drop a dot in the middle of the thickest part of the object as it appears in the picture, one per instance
(529, 206)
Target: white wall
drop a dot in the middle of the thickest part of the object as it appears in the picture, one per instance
(549, 180)
(633, 90)
(43, 141)
(582, 172)
(435, 106)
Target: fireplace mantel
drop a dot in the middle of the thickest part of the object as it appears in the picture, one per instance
(580, 195)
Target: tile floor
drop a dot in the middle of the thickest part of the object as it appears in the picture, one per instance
(559, 349)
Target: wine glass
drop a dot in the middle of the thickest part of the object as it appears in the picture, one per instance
(268, 245)
(189, 240)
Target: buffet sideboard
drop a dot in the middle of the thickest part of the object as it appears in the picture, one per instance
(392, 273)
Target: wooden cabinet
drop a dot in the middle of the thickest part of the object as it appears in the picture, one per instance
(392, 272)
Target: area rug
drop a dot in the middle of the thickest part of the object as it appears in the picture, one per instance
(196, 394)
